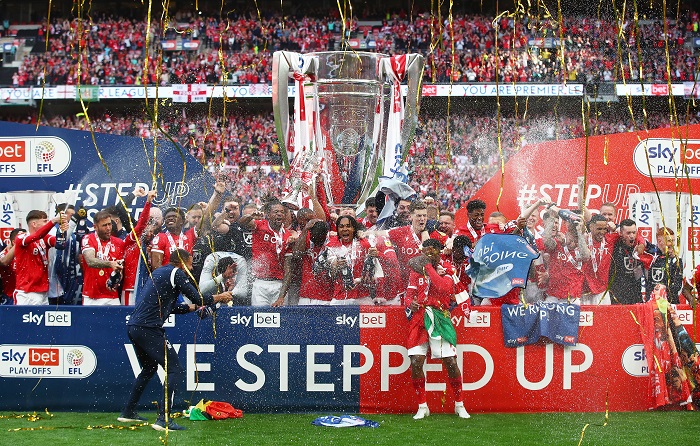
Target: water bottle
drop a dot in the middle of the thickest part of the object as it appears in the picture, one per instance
(569, 216)
(60, 238)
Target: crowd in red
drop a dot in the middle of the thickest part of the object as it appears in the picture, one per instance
(521, 48)
(244, 144)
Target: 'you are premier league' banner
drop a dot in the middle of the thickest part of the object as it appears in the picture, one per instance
(523, 325)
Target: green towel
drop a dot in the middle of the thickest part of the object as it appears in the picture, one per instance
(439, 325)
(197, 415)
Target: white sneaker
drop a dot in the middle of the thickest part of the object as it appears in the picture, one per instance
(461, 411)
(423, 412)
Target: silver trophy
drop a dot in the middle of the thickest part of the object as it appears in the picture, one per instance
(348, 126)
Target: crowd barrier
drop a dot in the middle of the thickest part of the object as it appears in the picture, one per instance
(319, 359)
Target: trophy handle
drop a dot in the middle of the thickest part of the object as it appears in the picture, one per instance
(285, 63)
(281, 62)
(414, 75)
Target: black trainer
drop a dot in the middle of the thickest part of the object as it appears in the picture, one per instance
(159, 425)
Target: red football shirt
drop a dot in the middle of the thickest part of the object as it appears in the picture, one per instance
(314, 286)
(95, 279)
(167, 243)
(470, 232)
(31, 254)
(269, 248)
(427, 289)
(407, 246)
(597, 270)
(565, 273)
(354, 253)
(132, 250)
(7, 273)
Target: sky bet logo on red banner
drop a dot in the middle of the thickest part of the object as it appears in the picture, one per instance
(47, 361)
(33, 156)
(668, 158)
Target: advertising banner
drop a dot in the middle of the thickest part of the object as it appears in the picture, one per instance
(295, 359)
(17, 94)
(96, 172)
(627, 169)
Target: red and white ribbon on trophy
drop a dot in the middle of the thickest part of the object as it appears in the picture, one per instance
(303, 165)
(395, 69)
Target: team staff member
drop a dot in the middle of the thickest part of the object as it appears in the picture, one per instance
(667, 267)
(431, 294)
(102, 254)
(626, 268)
(156, 301)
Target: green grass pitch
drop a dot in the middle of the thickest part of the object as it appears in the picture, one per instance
(99, 428)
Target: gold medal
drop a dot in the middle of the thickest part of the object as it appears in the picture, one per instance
(102, 273)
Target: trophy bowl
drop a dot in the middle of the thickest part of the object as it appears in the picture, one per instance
(342, 127)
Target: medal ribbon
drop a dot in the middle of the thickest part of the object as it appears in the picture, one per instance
(171, 241)
(103, 254)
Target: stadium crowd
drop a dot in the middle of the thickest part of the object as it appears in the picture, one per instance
(111, 50)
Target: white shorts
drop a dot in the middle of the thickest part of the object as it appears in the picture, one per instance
(438, 349)
(360, 301)
(128, 298)
(308, 301)
(22, 298)
(265, 292)
(556, 300)
(596, 299)
(105, 301)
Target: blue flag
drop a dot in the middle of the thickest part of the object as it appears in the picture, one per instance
(523, 325)
(343, 421)
(500, 263)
